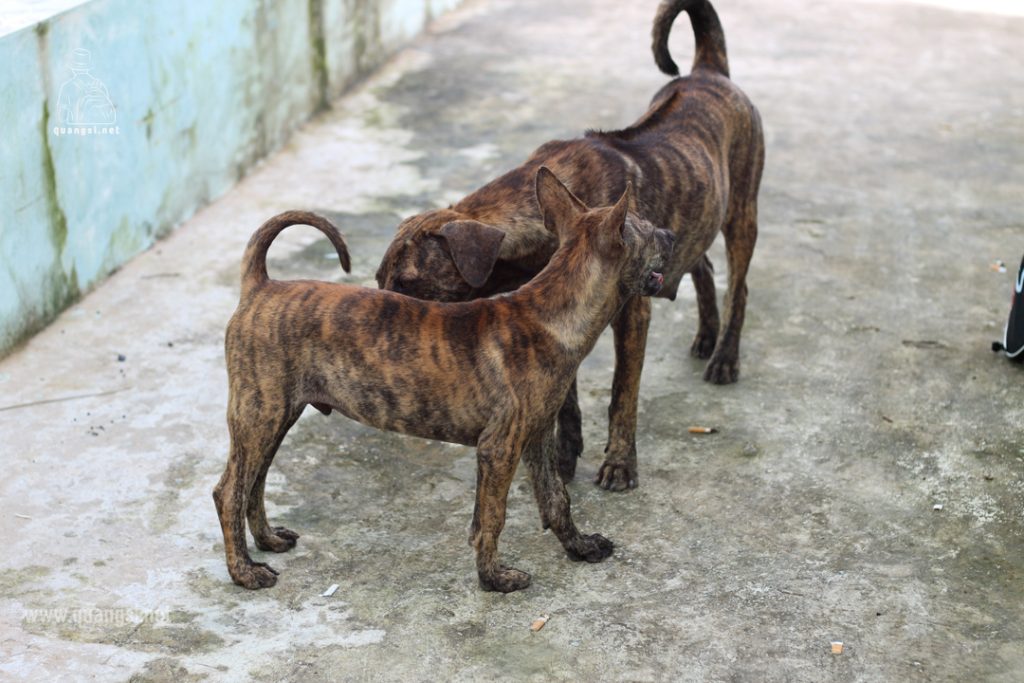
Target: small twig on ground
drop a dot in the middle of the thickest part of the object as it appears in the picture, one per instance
(75, 397)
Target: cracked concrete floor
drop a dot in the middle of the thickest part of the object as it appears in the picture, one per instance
(868, 395)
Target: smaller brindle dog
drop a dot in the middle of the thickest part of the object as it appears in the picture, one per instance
(488, 373)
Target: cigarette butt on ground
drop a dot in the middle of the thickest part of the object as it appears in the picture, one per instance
(19, 516)
(702, 430)
(331, 590)
(837, 647)
(538, 624)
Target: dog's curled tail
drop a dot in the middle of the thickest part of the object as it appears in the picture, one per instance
(707, 32)
(254, 263)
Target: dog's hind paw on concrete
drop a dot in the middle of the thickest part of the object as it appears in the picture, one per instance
(280, 541)
(703, 345)
(722, 371)
(504, 580)
(616, 476)
(255, 575)
(592, 548)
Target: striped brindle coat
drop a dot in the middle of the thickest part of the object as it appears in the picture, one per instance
(490, 373)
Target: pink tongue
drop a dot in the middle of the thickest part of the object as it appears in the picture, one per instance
(659, 277)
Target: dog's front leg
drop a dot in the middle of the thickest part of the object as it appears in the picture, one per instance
(619, 472)
(570, 435)
(496, 459)
(554, 506)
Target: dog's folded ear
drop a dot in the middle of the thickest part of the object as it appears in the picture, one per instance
(474, 248)
(559, 207)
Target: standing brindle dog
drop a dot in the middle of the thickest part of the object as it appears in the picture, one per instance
(695, 159)
(490, 373)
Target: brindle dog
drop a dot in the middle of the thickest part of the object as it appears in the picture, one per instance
(490, 373)
(695, 158)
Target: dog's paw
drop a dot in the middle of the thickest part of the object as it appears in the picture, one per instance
(281, 540)
(254, 575)
(592, 548)
(616, 476)
(504, 580)
(722, 371)
(703, 345)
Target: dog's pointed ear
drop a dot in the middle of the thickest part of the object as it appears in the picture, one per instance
(559, 208)
(474, 248)
(614, 227)
(634, 199)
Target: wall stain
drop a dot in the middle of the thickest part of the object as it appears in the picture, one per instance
(319, 53)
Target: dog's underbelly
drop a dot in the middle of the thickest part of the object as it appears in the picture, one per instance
(403, 407)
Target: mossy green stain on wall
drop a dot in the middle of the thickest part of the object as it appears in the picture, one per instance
(147, 121)
(318, 48)
(127, 240)
(62, 289)
(58, 221)
(368, 45)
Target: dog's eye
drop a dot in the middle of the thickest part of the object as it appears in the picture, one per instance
(404, 283)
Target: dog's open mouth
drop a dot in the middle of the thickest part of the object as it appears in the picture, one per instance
(654, 283)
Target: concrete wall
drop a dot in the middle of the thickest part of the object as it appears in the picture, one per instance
(200, 92)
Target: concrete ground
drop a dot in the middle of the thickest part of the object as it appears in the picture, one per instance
(868, 394)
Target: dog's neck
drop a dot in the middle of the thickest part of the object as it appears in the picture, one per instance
(575, 297)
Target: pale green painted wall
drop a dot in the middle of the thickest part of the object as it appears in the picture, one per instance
(201, 91)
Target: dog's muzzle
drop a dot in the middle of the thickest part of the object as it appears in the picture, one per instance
(654, 283)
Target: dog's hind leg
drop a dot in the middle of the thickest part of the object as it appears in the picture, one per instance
(619, 471)
(254, 439)
(740, 236)
(553, 503)
(570, 434)
(703, 276)
(275, 539)
(740, 230)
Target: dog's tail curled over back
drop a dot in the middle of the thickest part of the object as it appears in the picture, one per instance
(707, 32)
(254, 262)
